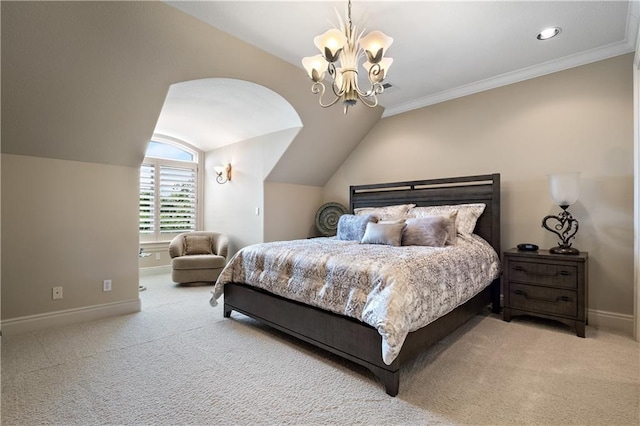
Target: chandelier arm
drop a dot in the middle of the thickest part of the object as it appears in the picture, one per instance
(319, 89)
(376, 89)
(338, 91)
(367, 100)
(374, 74)
(333, 102)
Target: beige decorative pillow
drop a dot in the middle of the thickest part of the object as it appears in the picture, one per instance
(383, 233)
(398, 212)
(426, 231)
(197, 244)
(451, 216)
(468, 214)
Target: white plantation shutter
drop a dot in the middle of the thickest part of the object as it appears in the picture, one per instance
(178, 199)
(147, 199)
(168, 193)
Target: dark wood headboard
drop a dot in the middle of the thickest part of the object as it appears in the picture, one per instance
(433, 192)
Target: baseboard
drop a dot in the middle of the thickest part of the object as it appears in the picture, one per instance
(155, 270)
(612, 320)
(29, 323)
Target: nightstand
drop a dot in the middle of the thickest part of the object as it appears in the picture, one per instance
(546, 285)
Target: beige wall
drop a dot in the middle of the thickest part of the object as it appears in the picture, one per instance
(290, 211)
(85, 81)
(231, 207)
(580, 119)
(284, 211)
(94, 75)
(69, 224)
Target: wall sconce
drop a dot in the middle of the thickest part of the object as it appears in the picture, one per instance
(564, 191)
(223, 174)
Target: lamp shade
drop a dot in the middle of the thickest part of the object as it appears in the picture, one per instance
(330, 44)
(564, 188)
(378, 76)
(316, 67)
(375, 44)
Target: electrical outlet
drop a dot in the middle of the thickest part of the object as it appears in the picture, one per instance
(106, 285)
(56, 293)
(157, 256)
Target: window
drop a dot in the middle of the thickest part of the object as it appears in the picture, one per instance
(169, 188)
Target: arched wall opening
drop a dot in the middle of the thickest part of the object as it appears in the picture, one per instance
(232, 122)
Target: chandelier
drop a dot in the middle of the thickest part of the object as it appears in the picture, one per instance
(346, 47)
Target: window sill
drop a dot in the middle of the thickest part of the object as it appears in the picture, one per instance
(154, 245)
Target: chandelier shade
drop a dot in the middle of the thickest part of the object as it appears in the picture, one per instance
(341, 51)
(375, 45)
(331, 44)
(378, 73)
(316, 67)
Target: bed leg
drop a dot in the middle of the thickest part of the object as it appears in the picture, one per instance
(227, 311)
(391, 381)
(495, 296)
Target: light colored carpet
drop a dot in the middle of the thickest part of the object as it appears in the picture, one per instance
(180, 362)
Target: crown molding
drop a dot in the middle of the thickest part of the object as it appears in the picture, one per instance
(630, 44)
(539, 70)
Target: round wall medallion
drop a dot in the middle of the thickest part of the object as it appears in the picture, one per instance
(328, 216)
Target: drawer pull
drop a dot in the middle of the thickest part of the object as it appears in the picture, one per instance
(557, 299)
(541, 274)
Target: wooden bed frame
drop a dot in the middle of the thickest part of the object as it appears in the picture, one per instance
(355, 340)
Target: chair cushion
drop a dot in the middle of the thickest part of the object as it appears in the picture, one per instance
(198, 261)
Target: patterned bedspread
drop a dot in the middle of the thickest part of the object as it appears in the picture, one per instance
(394, 289)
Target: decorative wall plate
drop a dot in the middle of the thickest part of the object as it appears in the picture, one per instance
(327, 218)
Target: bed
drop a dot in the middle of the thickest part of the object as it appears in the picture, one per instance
(356, 340)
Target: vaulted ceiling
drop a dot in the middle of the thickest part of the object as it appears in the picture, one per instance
(442, 49)
(87, 81)
(214, 112)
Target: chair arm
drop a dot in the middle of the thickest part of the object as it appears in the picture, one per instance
(176, 246)
(222, 246)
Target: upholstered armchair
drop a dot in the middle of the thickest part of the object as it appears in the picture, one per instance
(198, 257)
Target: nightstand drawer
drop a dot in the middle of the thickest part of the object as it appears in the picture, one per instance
(543, 299)
(543, 274)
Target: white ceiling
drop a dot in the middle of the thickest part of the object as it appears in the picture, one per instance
(442, 49)
(215, 112)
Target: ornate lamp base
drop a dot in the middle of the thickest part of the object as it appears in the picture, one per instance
(566, 228)
(564, 250)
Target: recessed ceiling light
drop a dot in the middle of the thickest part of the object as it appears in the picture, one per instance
(548, 33)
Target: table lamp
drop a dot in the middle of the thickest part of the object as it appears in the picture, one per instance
(564, 190)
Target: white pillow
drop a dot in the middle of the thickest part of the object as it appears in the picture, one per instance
(468, 214)
(398, 212)
(383, 233)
